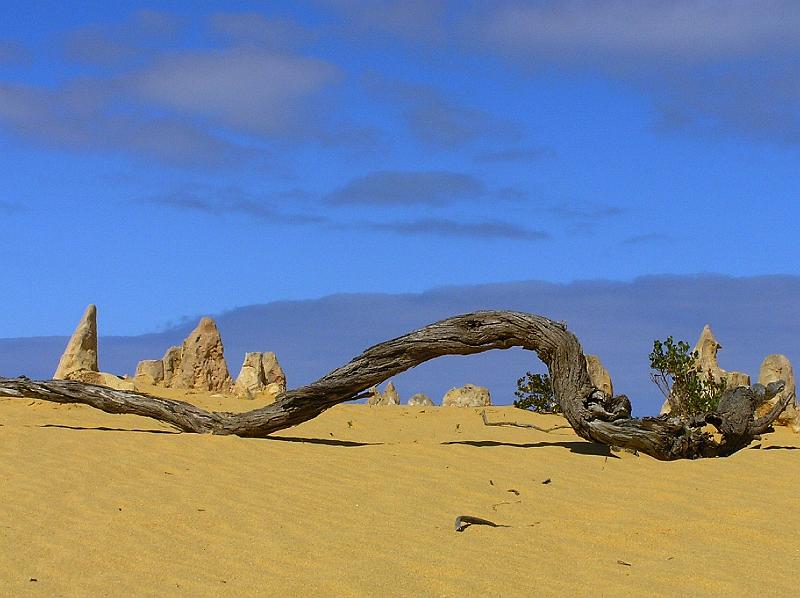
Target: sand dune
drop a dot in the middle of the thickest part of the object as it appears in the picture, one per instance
(362, 501)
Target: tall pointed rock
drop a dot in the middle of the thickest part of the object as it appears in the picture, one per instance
(202, 363)
(707, 348)
(81, 352)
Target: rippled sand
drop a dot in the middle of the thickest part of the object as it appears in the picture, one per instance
(362, 501)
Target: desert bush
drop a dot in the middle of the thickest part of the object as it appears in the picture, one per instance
(535, 393)
(677, 374)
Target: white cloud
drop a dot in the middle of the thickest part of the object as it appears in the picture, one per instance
(690, 31)
(80, 117)
(718, 67)
(249, 89)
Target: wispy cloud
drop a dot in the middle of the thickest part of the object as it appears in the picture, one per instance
(626, 33)
(96, 45)
(254, 28)
(444, 227)
(523, 155)
(583, 217)
(231, 201)
(80, 116)
(407, 188)
(8, 207)
(438, 121)
(12, 53)
(183, 108)
(645, 238)
(584, 211)
(419, 21)
(117, 44)
(247, 89)
(762, 104)
(156, 24)
(711, 67)
(435, 188)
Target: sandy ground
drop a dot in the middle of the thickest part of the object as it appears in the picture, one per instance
(362, 501)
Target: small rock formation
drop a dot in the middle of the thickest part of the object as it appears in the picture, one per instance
(198, 364)
(388, 397)
(375, 396)
(599, 375)
(103, 379)
(81, 352)
(172, 364)
(420, 400)
(260, 374)
(468, 395)
(707, 348)
(251, 377)
(273, 372)
(150, 371)
(778, 367)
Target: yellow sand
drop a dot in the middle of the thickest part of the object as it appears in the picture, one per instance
(362, 501)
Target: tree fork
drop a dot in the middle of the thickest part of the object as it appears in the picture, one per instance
(593, 415)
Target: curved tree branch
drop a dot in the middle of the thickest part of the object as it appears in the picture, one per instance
(593, 415)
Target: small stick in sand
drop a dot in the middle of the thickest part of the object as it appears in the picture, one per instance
(486, 422)
(464, 521)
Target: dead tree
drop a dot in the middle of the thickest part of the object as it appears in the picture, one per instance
(593, 415)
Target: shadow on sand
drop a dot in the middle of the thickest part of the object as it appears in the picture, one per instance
(780, 448)
(578, 447)
(107, 429)
(325, 441)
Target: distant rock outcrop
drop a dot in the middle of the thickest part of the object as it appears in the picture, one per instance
(150, 371)
(778, 367)
(261, 374)
(707, 348)
(198, 364)
(599, 375)
(420, 400)
(80, 354)
(468, 395)
(389, 396)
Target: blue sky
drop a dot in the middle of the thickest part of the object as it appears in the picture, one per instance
(190, 157)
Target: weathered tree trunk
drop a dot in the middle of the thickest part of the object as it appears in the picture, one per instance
(592, 414)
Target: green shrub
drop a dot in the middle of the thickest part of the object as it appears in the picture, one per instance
(679, 378)
(675, 372)
(535, 392)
